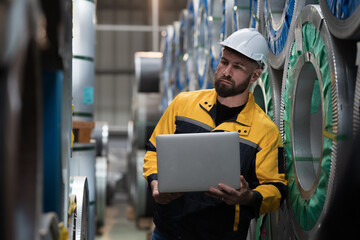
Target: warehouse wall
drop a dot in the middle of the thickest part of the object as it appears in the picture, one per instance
(114, 60)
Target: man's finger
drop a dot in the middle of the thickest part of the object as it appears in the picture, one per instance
(227, 189)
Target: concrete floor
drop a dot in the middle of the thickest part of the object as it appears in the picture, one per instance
(117, 224)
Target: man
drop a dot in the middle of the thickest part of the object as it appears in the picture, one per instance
(223, 212)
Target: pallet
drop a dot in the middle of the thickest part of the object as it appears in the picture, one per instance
(82, 131)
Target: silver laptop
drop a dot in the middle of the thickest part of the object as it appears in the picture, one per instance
(197, 161)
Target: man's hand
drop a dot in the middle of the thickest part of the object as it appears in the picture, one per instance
(231, 196)
(162, 198)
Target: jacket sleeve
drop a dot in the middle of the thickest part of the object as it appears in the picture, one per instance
(271, 191)
(166, 125)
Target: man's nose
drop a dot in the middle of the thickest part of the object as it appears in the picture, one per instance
(227, 70)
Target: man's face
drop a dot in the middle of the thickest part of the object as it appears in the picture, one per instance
(234, 74)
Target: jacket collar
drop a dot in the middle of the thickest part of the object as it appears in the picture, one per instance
(245, 117)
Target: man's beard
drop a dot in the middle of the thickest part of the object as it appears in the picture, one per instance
(225, 90)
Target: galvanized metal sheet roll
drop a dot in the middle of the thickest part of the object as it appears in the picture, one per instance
(181, 55)
(175, 57)
(267, 92)
(342, 17)
(83, 28)
(192, 8)
(71, 215)
(66, 104)
(229, 18)
(242, 10)
(83, 89)
(83, 164)
(217, 33)
(101, 184)
(49, 229)
(100, 134)
(163, 49)
(316, 111)
(79, 188)
(166, 85)
(147, 115)
(202, 46)
(144, 202)
(21, 145)
(280, 17)
(257, 15)
(147, 71)
(275, 225)
(356, 112)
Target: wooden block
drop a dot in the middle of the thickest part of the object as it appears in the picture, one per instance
(82, 131)
(144, 223)
(130, 213)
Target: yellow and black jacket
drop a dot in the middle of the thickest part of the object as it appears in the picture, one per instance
(196, 215)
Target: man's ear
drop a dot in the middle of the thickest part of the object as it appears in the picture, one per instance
(256, 74)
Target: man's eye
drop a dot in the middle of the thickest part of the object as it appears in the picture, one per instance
(237, 67)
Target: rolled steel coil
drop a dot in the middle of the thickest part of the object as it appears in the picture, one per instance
(181, 77)
(175, 58)
(83, 89)
(147, 71)
(83, 60)
(66, 115)
(170, 63)
(189, 57)
(101, 185)
(49, 229)
(163, 49)
(280, 17)
(71, 216)
(166, 68)
(100, 134)
(21, 144)
(131, 156)
(202, 46)
(257, 15)
(83, 164)
(79, 188)
(229, 17)
(342, 18)
(242, 13)
(144, 202)
(356, 112)
(83, 28)
(261, 90)
(19, 22)
(217, 26)
(315, 113)
(147, 116)
(267, 92)
(275, 225)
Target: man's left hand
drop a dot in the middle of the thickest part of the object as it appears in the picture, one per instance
(231, 196)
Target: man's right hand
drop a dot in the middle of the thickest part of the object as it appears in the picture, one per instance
(162, 198)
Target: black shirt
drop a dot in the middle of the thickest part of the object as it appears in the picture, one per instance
(224, 113)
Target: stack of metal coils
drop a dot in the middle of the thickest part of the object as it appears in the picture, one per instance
(310, 90)
(83, 160)
(146, 112)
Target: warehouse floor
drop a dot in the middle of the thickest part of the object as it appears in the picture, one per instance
(118, 226)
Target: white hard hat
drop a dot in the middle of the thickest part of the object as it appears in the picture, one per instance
(249, 42)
